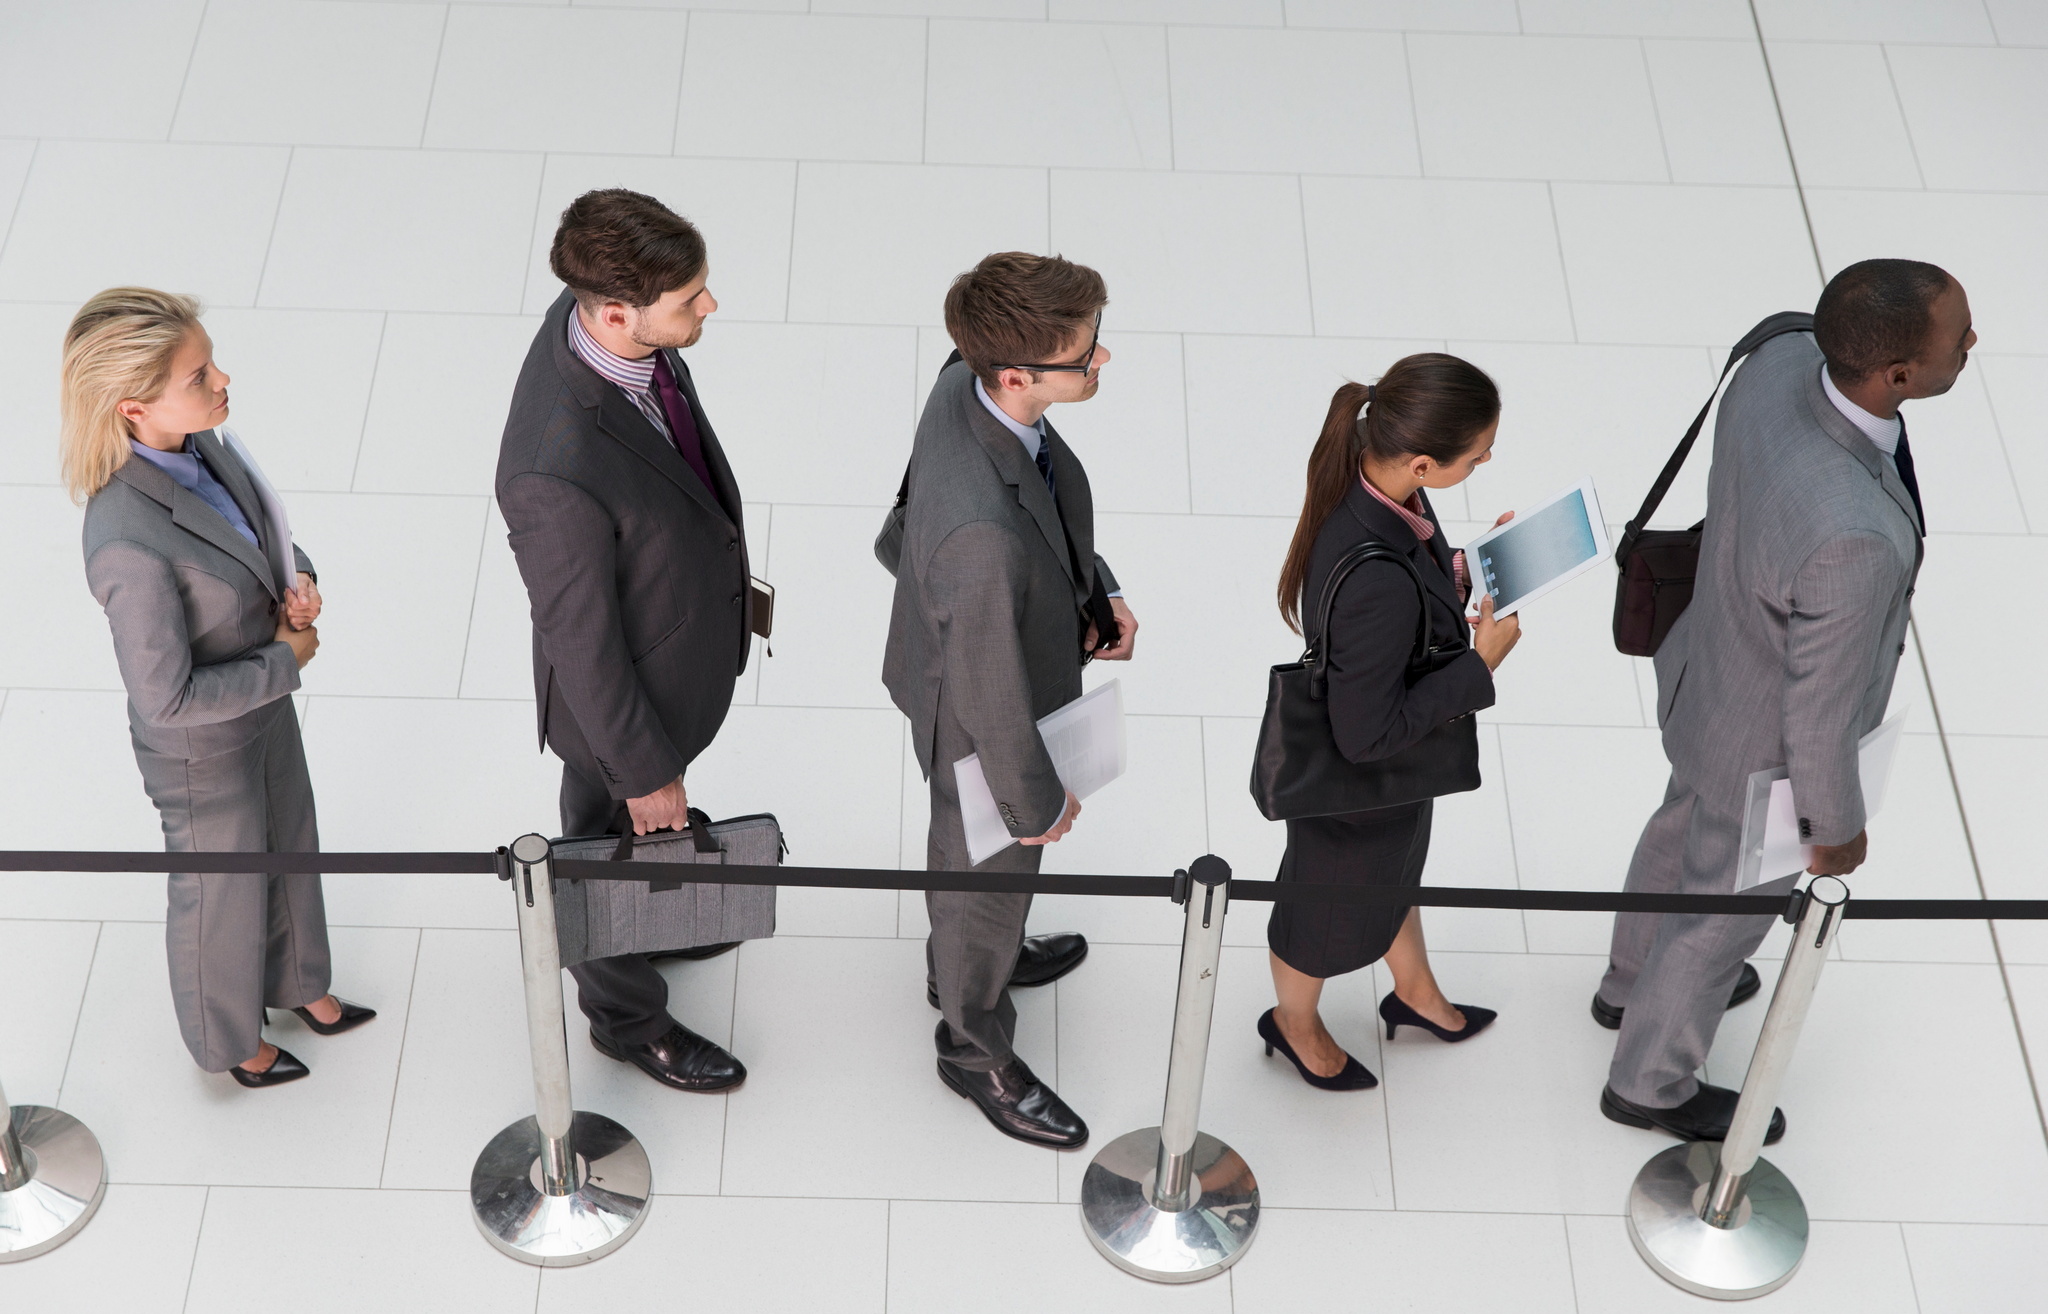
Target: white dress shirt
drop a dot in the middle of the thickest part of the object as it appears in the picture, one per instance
(1883, 434)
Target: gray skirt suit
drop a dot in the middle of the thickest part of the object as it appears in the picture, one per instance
(193, 608)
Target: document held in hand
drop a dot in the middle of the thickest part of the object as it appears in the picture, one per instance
(1086, 742)
(1770, 825)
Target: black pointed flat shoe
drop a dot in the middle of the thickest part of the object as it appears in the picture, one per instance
(1355, 1075)
(352, 1016)
(1394, 1011)
(285, 1067)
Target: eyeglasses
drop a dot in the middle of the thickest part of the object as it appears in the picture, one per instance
(1087, 362)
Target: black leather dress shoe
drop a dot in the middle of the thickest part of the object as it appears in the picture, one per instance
(283, 1068)
(696, 953)
(678, 1057)
(1041, 960)
(1747, 983)
(1018, 1104)
(352, 1016)
(1704, 1117)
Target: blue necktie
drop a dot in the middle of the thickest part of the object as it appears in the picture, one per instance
(1045, 465)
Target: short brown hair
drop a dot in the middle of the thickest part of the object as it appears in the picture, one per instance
(616, 245)
(1017, 308)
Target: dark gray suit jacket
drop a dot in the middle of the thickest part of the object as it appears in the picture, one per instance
(1798, 619)
(192, 606)
(1376, 710)
(988, 610)
(636, 572)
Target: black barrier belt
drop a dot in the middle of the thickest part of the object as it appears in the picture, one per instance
(1144, 887)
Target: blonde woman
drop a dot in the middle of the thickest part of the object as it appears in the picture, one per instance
(210, 634)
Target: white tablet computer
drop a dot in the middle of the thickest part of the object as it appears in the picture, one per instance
(1540, 548)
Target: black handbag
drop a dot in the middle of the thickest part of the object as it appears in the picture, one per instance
(1298, 770)
(1657, 565)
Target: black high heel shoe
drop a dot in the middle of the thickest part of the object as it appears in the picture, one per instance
(1355, 1076)
(352, 1016)
(285, 1067)
(1397, 1014)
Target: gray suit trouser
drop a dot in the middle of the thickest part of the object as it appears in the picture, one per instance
(240, 942)
(1673, 972)
(975, 937)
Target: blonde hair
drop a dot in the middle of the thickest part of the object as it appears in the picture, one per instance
(119, 347)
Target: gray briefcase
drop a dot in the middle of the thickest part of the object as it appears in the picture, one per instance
(600, 919)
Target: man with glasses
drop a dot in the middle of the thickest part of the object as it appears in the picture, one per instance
(1000, 599)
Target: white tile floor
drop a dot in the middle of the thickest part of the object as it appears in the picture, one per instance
(1590, 198)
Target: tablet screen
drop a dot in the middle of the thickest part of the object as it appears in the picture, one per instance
(1536, 549)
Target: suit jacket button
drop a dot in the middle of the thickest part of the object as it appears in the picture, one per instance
(732, 545)
(735, 599)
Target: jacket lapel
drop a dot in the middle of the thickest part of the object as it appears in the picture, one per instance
(190, 513)
(1855, 442)
(1432, 559)
(1006, 453)
(727, 488)
(616, 415)
(228, 469)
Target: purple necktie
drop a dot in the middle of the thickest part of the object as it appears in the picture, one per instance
(682, 425)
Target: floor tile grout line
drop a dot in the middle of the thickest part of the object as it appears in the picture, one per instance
(1656, 117)
(434, 78)
(924, 102)
(476, 587)
(888, 1243)
(185, 80)
(1571, 1268)
(675, 121)
(198, 1240)
(1906, 1249)
(1414, 111)
(355, 468)
(1763, 49)
(270, 242)
(2005, 449)
(1955, 785)
(14, 215)
(398, 1069)
(1892, 80)
(1308, 276)
(78, 1018)
(1564, 273)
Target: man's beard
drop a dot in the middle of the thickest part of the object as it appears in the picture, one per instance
(657, 344)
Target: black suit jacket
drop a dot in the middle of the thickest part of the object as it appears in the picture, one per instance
(1375, 709)
(636, 572)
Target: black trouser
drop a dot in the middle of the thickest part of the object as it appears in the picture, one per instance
(625, 999)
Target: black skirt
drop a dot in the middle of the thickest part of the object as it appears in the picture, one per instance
(1386, 846)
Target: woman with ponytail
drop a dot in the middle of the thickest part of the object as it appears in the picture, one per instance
(1427, 423)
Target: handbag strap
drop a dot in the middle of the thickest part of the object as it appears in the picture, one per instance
(622, 822)
(1317, 657)
(1785, 321)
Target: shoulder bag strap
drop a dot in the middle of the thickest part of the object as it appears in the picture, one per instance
(1785, 321)
(1317, 658)
(903, 492)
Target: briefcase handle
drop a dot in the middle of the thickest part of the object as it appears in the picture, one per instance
(622, 822)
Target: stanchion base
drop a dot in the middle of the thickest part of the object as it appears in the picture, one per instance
(69, 1183)
(610, 1201)
(1210, 1235)
(1755, 1257)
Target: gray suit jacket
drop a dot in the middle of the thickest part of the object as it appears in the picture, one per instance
(192, 606)
(988, 609)
(1787, 654)
(636, 572)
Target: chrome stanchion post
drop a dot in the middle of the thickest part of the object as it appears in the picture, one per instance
(562, 1187)
(1172, 1203)
(1719, 1220)
(52, 1178)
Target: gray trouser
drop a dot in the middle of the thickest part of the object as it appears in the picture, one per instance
(240, 942)
(975, 937)
(1673, 972)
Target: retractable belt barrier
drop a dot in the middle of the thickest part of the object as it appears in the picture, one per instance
(1169, 1203)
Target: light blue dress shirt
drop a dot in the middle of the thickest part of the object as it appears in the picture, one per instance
(191, 474)
(1031, 435)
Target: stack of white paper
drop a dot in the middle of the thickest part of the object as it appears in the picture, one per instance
(1086, 741)
(1777, 851)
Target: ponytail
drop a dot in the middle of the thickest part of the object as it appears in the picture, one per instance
(1332, 467)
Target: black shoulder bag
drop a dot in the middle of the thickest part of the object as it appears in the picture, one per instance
(1658, 565)
(1298, 770)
